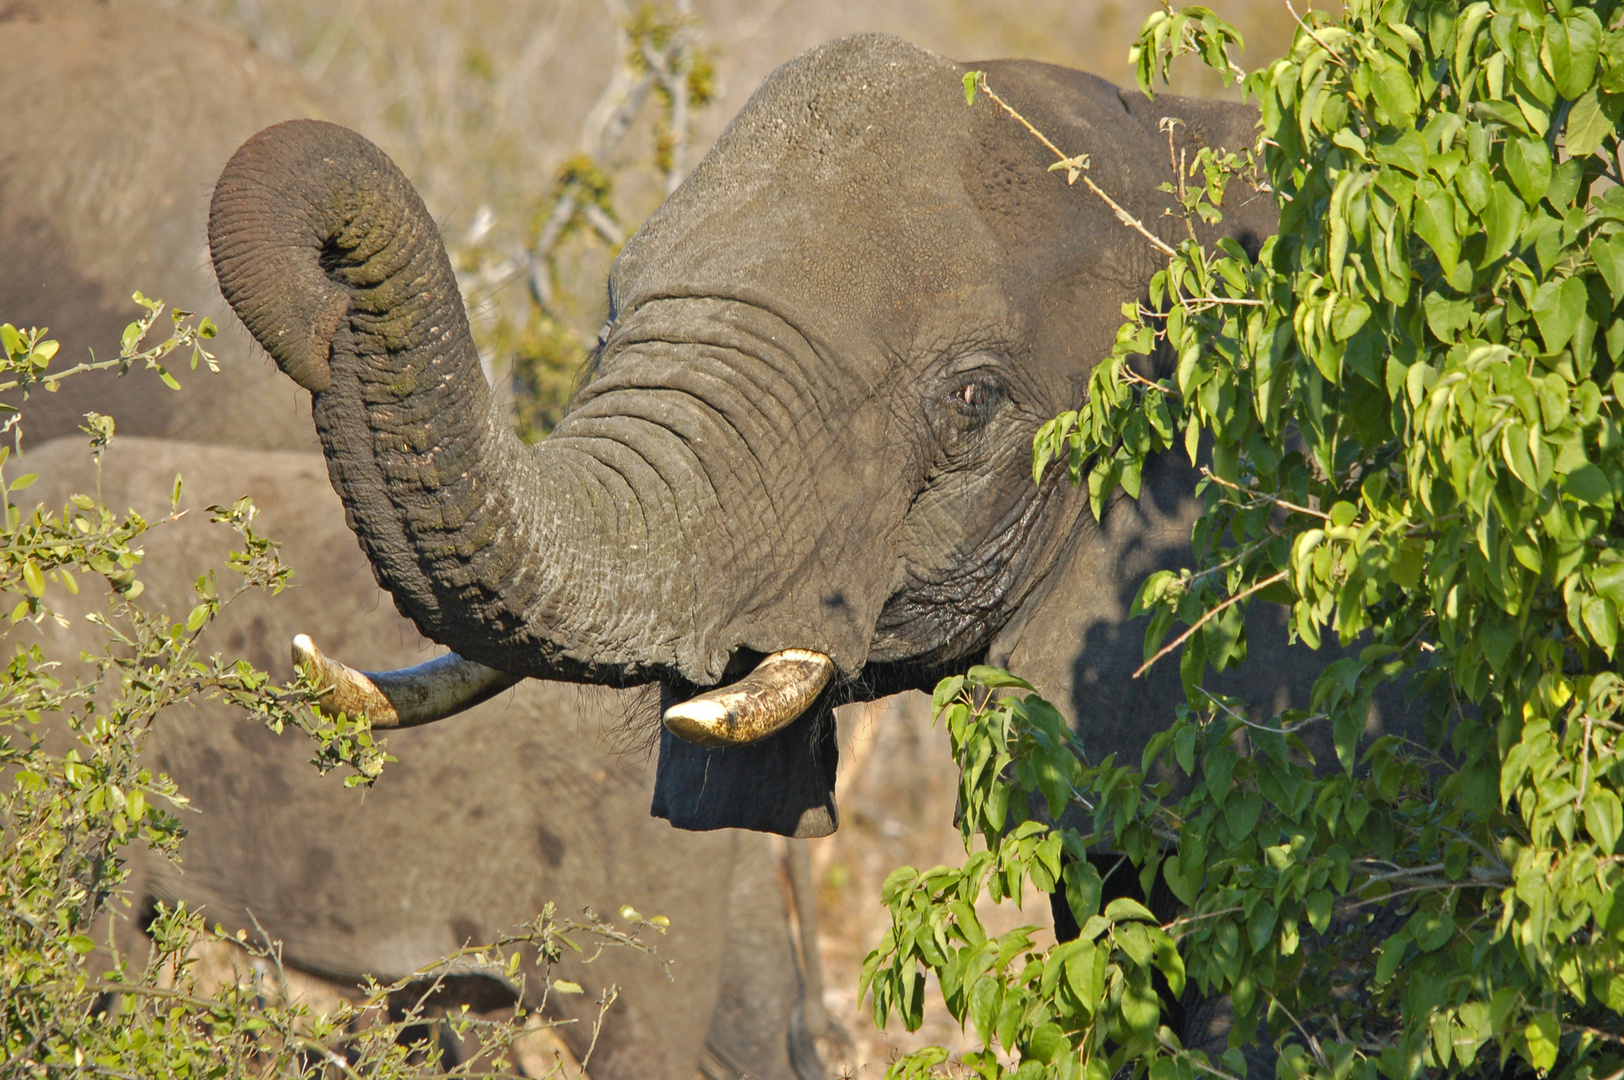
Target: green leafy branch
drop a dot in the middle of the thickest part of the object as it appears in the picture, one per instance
(1405, 412)
(26, 355)
(78, 793)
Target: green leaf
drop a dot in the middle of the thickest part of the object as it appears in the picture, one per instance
(986, 995)
(1543, 1035)
(1609, 258)
(1432, 930)
(1474, 183)
(1350, 314)
(1046, 1044)
(1407, 152)
(1601, 619)
(1503, 220)
(1587, 124)
(1318, 907)
(1390, 956)
(1604, 818)
(34, 579)
(996, 678)
(1558, 307)
(1241, 811)
(81, 943)
(1574, 48)
(1435, 223)
(1589, 485)
(1395, 93)
(1123, 909)
(1260, 927)
(971, 78)
(1502, 112)
(1528, 163)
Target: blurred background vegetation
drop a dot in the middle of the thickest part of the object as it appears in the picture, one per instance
(542, 132)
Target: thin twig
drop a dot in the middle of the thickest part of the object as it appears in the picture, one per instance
(1581, 1029)
(1289, 729)
(1313, 1043)
(1189, 1059)
(1199, 623)
(1309, 30)
(1170, 927)
(1584, 766)
(1231, 561)
(1266, 497)
(1201, 303)
(1122, 215)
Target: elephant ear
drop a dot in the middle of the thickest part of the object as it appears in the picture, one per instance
(1250, 213)
(784, 784)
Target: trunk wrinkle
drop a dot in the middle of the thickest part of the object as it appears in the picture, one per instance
(512, 556)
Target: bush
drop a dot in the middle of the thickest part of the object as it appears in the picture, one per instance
(77, 797)
(1413, 403)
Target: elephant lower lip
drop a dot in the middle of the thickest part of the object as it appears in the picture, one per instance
(770, 698)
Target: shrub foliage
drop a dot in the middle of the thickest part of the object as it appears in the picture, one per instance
(1408, 413)
(75, 796)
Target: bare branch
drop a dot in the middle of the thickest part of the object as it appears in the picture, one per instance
(1199, 623)
(1264, 496)
(1074, 165)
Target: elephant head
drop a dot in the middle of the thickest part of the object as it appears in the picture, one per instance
(806, 432)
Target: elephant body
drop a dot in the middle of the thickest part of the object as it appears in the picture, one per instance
(118, 125)
(476, 826)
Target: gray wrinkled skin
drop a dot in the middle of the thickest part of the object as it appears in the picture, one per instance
(809, 423)
(484, 819)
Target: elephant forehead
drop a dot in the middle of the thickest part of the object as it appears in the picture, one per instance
(841, 177)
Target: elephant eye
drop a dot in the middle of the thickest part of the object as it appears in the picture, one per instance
(977, 395)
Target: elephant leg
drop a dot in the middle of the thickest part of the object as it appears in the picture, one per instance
(761, 983)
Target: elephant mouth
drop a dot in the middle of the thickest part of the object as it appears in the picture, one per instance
(773, 695)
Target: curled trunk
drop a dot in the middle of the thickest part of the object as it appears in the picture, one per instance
(546, 561)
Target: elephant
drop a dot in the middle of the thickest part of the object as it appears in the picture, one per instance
(474, 829)
(798, 472)
(115, 130)
(479, 824)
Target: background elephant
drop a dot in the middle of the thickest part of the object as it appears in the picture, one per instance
(478, 825)
(114, 134)
(135, 110)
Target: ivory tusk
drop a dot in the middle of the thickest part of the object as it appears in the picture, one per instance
(781, 688)
(408, 697)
